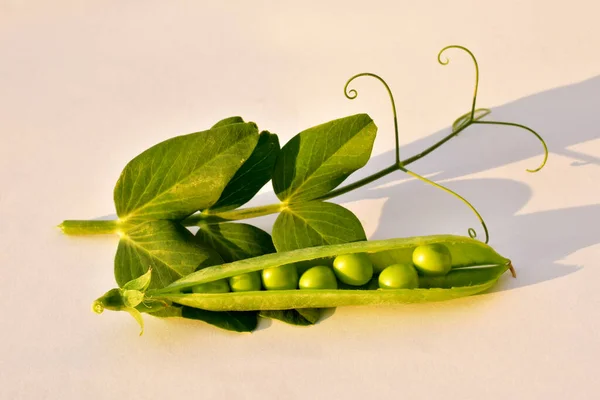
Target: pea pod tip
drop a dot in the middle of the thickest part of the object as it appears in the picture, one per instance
(512, 270)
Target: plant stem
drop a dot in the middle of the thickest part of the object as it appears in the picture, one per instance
(89, 227)
(430, 149)
(360, 183)
(233, 215)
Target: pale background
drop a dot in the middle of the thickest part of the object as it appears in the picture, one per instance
(85, 86)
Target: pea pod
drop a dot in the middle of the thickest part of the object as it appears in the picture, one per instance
(476, 267)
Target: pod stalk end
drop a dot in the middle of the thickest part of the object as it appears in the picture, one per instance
(512, 270)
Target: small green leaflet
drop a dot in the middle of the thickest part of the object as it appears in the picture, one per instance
(140, 283)
(315, 223)
(464, 119)
(252, 176)
(234, 241)
(165, 246)
(179, 176)
(132, 298)
(318, 159)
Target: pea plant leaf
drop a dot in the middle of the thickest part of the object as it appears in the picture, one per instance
(234, 241)
(318, 159)
(228, 121)
(237, 321)
(166, 247)
(315, 223)
(140, 283)
(252, 176)
(179, 176)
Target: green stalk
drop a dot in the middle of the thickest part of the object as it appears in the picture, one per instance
(89, 227)
(206, 217)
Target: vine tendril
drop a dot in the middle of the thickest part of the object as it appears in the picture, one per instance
(447, 61)
(526, 128)
(471, 231)
(463, 121)
(352, 94)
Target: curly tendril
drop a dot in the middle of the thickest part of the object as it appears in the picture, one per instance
(352, 94)
(447, 61)
(471, 231)
(527, 129)
(463, 121)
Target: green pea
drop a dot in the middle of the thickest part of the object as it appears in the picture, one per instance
(399, 276)
(245, 282)
(432, 259)
(220, 286)
(353, 269)
(319, 277)
(284, 277)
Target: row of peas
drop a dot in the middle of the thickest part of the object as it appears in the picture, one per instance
(350, 269)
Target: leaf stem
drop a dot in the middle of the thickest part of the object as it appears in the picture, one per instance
(89, 227)
(360, 183)
(435, 146)
(233, 215)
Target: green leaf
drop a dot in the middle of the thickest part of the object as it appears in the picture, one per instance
(235, 241)
(318, 159)
(300, 317)
(315, 223)
(164, 311)
(252, 176)
(228, 121)
(238, 321)
(140, 283)
(179, 176)
(167, 247)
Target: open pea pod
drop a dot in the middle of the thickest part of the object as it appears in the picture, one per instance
(476, 267)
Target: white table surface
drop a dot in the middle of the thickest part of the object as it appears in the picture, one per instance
(85, 86)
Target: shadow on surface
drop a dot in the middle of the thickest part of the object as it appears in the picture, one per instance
(536, 242)
(564, 117)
